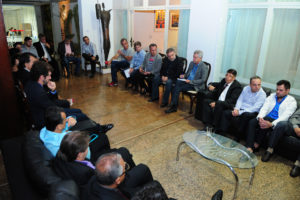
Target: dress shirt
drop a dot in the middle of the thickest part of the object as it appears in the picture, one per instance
(249, 101)
(88, 48)
(224, 92)
(274, 113)
(68, 49)
(46, 54)
(31, 49)
(193, 72)
(137, 59)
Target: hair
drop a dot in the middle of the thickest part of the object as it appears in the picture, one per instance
(199, 53)
(14, 56)
(232, 71)
(123, 39)
(152, 45)
(72, 144)
(53, 117)
(27, 39)
(25, 58)
(254, 77)
(286, 84)
(108, 168)
(169, 50)
(68, 37)
(85, 37)
(40, 68)
(17, 43)
(151, 191)
(41, 35)
(137, 43)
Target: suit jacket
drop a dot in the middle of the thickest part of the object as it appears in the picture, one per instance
(24, 76)
(62, 49)
(38, 102)
(40, 50)
(156, 64)
(172, 69)
(232, 95)
(200, 76)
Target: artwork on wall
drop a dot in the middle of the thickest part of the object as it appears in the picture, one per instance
(159, 19)
(174, 20)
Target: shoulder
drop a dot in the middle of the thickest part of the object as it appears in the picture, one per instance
(290, 98)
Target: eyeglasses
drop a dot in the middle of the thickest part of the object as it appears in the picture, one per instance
(127, 167)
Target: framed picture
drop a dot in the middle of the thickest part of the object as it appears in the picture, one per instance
(159, 20)
(174, 20)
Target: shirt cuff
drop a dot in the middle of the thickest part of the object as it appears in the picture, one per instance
(53, 92)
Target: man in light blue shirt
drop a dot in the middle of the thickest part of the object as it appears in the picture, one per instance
(89, 52)
(246, 108)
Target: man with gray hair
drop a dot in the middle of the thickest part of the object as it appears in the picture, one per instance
(193, 79)
(114, 180)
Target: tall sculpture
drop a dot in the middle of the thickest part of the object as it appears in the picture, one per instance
(104, 15)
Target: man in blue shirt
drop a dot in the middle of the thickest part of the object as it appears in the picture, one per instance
(90, 54)
(246, 108)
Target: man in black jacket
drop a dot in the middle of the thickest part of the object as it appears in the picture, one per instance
(221, 96)
(45, 52)
(25, 64)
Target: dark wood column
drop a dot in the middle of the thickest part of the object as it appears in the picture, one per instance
(9, 115)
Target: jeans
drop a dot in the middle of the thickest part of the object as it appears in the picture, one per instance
(77, 62)
(115, 67)
(180, 87)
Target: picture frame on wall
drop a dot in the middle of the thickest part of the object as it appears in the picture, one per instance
(159, 21)
(174, 21)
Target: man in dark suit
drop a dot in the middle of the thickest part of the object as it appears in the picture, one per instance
(66, 51)
(25, 65)
(45, 52)
(194, 79)
(221, 96)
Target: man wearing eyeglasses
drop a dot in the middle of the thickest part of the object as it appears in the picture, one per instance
(115, 180)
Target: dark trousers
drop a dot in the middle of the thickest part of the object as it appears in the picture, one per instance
(145, 81)
(238, 123)
(76, 61)
(255, 133)
(115, 67)
(77, 113)
(156, 81)
(93, 62)
(56, 72)
(169, 89)
(133, 78)
(180, 86)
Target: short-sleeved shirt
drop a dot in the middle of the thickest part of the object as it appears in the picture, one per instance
(127, 52)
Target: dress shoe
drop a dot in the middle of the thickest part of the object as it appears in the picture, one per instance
(163, 105)
(295, 171)
(152, 100)
(170, 110)
(218, 195)
(106, 127)
(266, 157)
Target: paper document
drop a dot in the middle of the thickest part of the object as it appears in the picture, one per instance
(126, 71)
(181, 79)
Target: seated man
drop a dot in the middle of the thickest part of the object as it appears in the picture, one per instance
(45, 52)
(125, 56)
(222, 96)
(246, 108)
(25, 65)
(28, 48)
(136, 62)
(89, 52)
(115, 180)
(149, 70)
(285, 128)
(171, 68)
(278, 107)
(193, 79)
(66, 51)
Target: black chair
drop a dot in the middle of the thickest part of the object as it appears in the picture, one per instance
(86, 63)
(192, 93)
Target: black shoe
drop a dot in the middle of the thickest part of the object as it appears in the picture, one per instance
(163, 105)
(295, 171)
(143, 92)
(91, 75)
(106, 127)
(152, 100)
(218, 195)
(172, 109)
(266, 157)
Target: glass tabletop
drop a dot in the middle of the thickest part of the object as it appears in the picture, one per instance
(220, 149)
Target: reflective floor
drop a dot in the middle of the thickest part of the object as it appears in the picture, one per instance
(153, 136)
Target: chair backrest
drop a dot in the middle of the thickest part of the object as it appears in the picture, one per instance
(209, 69)
(184, 64)
(162, 55)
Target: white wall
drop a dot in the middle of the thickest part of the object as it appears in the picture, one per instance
(207, 19)
(55, 25)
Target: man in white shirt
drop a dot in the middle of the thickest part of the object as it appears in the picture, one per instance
(89, 52)
(247, 107)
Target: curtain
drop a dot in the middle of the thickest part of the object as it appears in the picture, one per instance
(243, 40)
(120, 27)
(183, 30)
(283, 57)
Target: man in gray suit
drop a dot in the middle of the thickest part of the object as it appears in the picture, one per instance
(194, 79)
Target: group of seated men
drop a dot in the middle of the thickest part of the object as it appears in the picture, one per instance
(222, 104)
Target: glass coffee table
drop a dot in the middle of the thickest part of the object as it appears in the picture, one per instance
(222, 150)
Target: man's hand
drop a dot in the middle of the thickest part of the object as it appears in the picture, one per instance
(235, 112)
(212, 104)
(181, 76)
(71, 121)
(164, 78)
(72, 54)
(211, 88)
(131, 70)
(45, 59)
(147, 73)
(47, 45)
(297, 131)
(51, 85)
(264, 124)
(70, 101)
(120, 53)
(187, 81)
(141, 70)
(108, 62)
(93, 58)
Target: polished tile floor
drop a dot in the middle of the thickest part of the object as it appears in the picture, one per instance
(153, 136)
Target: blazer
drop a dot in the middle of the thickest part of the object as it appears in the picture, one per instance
(200, 76)
(38, 102)
(62, 49)
(156, 64)
(286, 108)
(24, 76)
(232, 95)
(172, 71)
(40, 50)
(295, 119)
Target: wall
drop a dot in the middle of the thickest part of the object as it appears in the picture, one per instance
(173, 33)
(55, 24)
